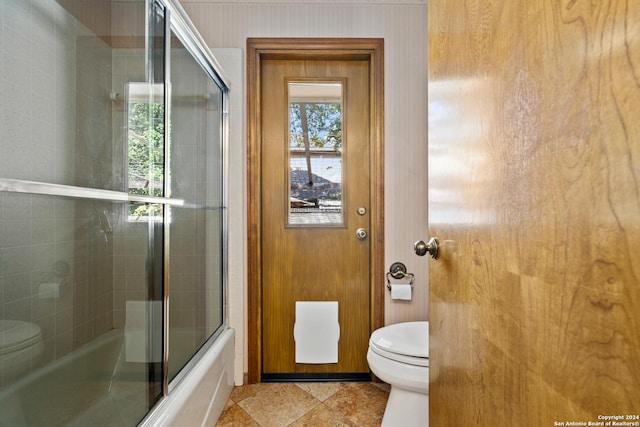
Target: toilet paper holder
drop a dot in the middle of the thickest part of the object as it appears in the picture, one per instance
(399, 271)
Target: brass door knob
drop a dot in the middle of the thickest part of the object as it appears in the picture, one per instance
(421, 248)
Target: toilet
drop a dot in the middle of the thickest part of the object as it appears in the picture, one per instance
(21, 346)
(399, 355)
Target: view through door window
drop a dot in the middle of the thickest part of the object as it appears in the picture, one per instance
(315, 153)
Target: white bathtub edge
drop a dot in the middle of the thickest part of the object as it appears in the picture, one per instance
(201, 395)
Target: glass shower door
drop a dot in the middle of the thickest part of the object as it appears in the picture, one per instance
(80, 275)
(96, 200)
(196, 228)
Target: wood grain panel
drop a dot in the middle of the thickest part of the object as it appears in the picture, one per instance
(533, 171)
(259, 50)
(302, 263)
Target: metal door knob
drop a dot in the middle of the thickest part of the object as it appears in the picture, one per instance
(361, 233)
(422, 248)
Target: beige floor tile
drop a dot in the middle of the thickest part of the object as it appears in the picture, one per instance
(242, 392)
(321, 391)
(321, 415)
(362, 403)
(278, 405)
(235, 416)
(383, 386)
(301, 404)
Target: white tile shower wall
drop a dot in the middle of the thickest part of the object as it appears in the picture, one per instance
(130, 237)
(129, 260)
(40, 109)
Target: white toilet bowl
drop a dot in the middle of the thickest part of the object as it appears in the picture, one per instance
(399, 355)
(20, 347)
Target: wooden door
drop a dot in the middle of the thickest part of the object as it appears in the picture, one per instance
(309, 248)
(534, 165)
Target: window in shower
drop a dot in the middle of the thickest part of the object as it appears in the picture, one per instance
(145, 146)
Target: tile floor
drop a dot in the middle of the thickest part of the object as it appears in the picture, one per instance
(354, 404)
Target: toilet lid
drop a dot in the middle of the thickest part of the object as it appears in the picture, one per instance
(16, 335)
(405, 339)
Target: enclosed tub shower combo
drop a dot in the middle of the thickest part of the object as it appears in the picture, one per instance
(112, 216)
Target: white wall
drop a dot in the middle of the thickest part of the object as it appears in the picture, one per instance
(403, 25)
(232, 62)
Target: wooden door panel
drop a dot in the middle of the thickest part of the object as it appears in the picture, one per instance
(533, 178)
(259, 50)
(314, 263)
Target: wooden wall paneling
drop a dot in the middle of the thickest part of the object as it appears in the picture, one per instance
(533, 172)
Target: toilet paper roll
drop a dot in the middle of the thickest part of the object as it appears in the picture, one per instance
(401, 292)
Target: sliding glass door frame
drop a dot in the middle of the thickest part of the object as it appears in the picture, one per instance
(176, 21)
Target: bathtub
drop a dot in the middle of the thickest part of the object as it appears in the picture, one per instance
(199, 397)
(70, 391)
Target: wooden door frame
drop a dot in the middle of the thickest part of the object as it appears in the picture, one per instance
(259, 49)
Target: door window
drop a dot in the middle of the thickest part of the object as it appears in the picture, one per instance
(315, 153)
